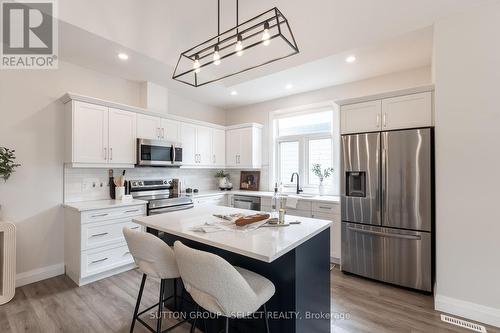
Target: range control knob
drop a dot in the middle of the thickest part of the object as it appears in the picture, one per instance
(134, 183)
(165, 182)
(141, 183)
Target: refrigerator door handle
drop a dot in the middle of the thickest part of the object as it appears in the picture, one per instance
(384, 234)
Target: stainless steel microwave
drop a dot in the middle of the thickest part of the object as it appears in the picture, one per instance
(158, 153)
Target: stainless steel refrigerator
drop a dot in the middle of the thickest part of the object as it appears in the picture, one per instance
(387, 197)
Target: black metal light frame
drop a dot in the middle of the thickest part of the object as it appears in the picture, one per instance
(246, 30)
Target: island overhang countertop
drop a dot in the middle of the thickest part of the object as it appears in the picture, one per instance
(265, 243)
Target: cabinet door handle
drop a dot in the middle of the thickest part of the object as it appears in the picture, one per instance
(163, 133)
(111, 154)
(131, 211)
(99, 260)
(384, 117)
(378, 120)
(135, 227)
(100, 215)
(101, 234)
(325, 207)
(105, 153)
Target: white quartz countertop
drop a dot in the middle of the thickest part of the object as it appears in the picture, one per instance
(102, 204)
(265, 243)
(323, 198)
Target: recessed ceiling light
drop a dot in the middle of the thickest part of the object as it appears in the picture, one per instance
(123, 56)
(289, 86)
(234, 93)
(350, 59)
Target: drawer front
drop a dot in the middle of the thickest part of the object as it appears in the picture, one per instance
(115, 213)
(215, 200)
(298, 212)
(396, 256)
(105, 233)
(301, 204)
(326, 207)
(331, 216)
(98, 261)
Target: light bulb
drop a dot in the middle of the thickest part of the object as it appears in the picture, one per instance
(216, 55)
(239, 46)
(196, 64)
(266, 37)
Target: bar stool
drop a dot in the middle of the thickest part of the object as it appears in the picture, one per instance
(220, 288)
(154, 258)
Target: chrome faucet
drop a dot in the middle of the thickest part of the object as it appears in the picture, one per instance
(298, 182)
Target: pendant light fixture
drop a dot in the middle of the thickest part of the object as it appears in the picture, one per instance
(245, 46)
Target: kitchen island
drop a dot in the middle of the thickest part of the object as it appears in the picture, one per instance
(295, 258)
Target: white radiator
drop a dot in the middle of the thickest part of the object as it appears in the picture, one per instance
(7, 261)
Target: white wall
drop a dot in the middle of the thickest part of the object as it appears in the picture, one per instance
(259, 113)
(467, 77)
(31, 122)
(182, 106)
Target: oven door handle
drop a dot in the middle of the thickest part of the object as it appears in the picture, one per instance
(170, 209)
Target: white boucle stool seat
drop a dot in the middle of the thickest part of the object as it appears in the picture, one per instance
(220, 288)
(262, 287)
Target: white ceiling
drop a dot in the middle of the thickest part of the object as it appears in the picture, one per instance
(385, 35)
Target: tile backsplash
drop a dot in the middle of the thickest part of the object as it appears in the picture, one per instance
(81, 184)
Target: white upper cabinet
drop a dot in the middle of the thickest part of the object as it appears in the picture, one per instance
(408, 111)
(204, 145)
(188, 140)
(244, 147)
(171, 130)
(122, 137)
(100, 136)
(104, 135)
(89, 133)
(219, 147)
(361, 117)
(148, 127)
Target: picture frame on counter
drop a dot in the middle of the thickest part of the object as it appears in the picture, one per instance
(250, 180)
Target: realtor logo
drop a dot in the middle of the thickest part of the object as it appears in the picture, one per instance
(29, 35)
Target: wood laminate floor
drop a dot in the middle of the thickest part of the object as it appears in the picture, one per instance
(58, 305)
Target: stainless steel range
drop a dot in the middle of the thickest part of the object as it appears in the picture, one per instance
(162, 195)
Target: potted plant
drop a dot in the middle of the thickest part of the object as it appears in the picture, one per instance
(7, 163)
(223, 178)
(322, 174)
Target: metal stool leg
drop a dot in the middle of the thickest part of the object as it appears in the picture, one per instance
(175, 294)
(160, 307)
(138, 303)
(227, 325)
(193, 326)
(266, 319)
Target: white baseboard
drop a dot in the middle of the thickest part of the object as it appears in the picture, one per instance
(472, 311)
(39, 274)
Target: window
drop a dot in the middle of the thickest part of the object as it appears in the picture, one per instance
(289, 158)
(320, 152)
(302, 140)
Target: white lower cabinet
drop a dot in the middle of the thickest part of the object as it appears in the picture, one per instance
(94, 245)
(215, 200)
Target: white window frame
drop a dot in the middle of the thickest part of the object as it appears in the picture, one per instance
(303, 140)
